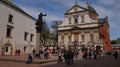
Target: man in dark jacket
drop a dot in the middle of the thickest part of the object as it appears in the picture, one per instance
(30, 59)
(65, 56)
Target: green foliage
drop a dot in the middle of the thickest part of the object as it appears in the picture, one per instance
(118, 40)
(44, 34)
(114, 42)
(54, 26)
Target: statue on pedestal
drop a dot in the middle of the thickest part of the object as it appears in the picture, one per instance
(39, 27)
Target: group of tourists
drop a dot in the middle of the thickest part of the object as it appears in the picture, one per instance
(42, 53)
(71, 54)
(91, 53)
(68, 55)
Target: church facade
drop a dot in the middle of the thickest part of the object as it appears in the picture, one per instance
(80, 28)
(17, 29)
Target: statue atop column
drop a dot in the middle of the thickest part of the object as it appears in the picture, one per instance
(39, 27)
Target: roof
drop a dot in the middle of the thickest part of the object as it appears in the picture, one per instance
(91, 9)
(16, 7)
(103, 20)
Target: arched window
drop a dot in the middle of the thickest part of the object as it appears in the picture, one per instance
(76, 20)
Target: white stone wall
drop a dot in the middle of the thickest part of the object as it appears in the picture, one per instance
(87, 18)
(21, 23)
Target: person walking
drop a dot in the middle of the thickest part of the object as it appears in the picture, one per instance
(65, 55)
(115, 55)
(59, 57)
(90, 54)
(72, 56)
(19, 52)
(85, 54)
(95, 54)
(16, 52)
(34, 53)
(30, 59)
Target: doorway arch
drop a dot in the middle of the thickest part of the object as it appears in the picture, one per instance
(7, 49)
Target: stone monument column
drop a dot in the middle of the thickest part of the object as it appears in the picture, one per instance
(39, 28)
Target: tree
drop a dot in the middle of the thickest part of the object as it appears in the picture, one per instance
(114, 42)
(54, 26)
(44, 36)
(118, 40)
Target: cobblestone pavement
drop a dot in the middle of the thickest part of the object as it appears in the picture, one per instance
(24, 58)
(104, 61)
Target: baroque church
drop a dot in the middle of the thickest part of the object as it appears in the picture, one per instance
(83, 28)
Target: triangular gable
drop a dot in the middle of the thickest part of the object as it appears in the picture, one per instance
(79, 8)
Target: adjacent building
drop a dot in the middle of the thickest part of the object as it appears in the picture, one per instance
(81, 28)
(104, 33)
(17, 29)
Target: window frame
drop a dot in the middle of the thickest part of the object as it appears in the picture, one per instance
(10, 18)
(25, 36)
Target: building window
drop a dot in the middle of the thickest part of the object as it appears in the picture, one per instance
(9, 31)
(25, 35)
(76, 20)
(31, 37)
(10, 19)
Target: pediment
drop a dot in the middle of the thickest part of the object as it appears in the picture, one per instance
(76, 8)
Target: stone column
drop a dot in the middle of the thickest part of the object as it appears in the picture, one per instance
(79, 38)
(37, 43)
(72, 37)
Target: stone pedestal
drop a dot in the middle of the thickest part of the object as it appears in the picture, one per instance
(38, 41)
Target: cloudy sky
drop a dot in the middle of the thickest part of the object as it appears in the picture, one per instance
(55, 10)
